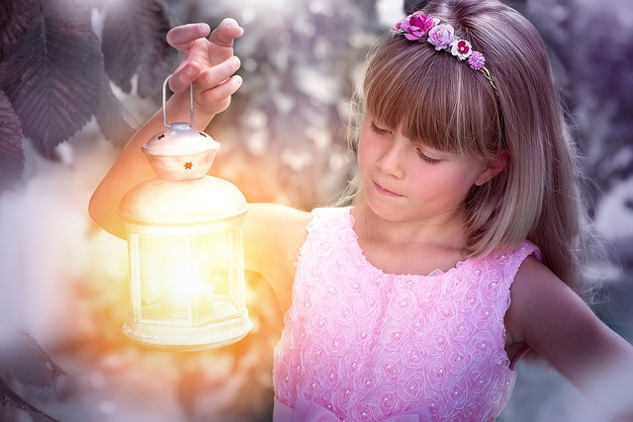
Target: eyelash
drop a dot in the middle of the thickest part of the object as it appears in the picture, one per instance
(423, 156)
(426, 158)
(378, 130)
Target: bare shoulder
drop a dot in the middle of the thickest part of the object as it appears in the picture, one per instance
(534, 277)
(537, 297)
(273, 234)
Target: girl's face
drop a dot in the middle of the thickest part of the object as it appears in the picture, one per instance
(405, 180)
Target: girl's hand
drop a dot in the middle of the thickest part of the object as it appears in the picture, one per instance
(208, 63)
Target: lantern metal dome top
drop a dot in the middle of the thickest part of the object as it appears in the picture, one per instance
(182, 154)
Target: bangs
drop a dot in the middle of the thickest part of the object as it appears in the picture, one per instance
(432, 98)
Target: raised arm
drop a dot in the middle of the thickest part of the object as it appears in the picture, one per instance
(560, 327)
(210, 65)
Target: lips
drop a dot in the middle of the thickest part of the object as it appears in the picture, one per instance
(386, 192)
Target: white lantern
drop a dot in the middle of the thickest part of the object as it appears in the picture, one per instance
(185, 247)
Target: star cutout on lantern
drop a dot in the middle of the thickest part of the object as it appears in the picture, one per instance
(188, 165)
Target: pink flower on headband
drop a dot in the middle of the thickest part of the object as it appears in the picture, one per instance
(417, 25)
(476, 60)
(441, 36)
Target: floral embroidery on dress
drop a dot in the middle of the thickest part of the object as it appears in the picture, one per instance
(365, 345)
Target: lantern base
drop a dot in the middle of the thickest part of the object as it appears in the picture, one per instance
(188, 339)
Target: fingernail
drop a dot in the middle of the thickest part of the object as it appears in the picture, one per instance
(190, 70)
(203, 28)
(236, 60)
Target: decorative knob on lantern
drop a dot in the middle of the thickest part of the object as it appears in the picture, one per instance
(180, 152)
(185, 246)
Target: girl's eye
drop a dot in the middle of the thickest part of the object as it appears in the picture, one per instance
(426, 158)
(377, 130)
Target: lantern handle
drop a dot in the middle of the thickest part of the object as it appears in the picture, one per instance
(165, 102)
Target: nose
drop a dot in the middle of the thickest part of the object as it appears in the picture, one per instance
(391, 161)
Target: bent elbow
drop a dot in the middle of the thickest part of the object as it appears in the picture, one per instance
(106, 217)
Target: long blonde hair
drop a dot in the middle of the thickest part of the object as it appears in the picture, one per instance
(433, 98)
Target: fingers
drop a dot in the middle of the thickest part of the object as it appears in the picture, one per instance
(200, 53)
(181, 37)
(184, 76)
(195, 60)
(226, 32)
(214, 86)
(216, 75)
(218, 98)
(203, 79)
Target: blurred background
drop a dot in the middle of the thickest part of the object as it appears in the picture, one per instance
(63, 280)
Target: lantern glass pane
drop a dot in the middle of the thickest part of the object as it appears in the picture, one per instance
(189, 280)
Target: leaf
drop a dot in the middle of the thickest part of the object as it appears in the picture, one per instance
(53, 77)
(9, 398)
(11, 153)
(15, 16)
(134, 41)
(26, 362)
(112, 116)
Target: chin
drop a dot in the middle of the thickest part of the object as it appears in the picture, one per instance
(382, 209)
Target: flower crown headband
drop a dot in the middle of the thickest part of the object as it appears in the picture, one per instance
(425, 28)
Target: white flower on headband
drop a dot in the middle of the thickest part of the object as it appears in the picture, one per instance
(462, 49)
(425, 28)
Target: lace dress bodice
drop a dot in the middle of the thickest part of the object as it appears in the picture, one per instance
(364, 345)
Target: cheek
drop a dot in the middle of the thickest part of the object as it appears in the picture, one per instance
(459, 184)
(364, 152)
(437, 181)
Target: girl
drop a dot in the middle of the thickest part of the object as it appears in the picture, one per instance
(460, 252)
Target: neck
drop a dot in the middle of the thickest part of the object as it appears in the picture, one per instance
(444, 231)
(409, 247)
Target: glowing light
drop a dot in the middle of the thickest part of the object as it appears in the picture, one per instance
(194, 301)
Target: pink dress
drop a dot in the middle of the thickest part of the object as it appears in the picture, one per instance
(363, 345)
